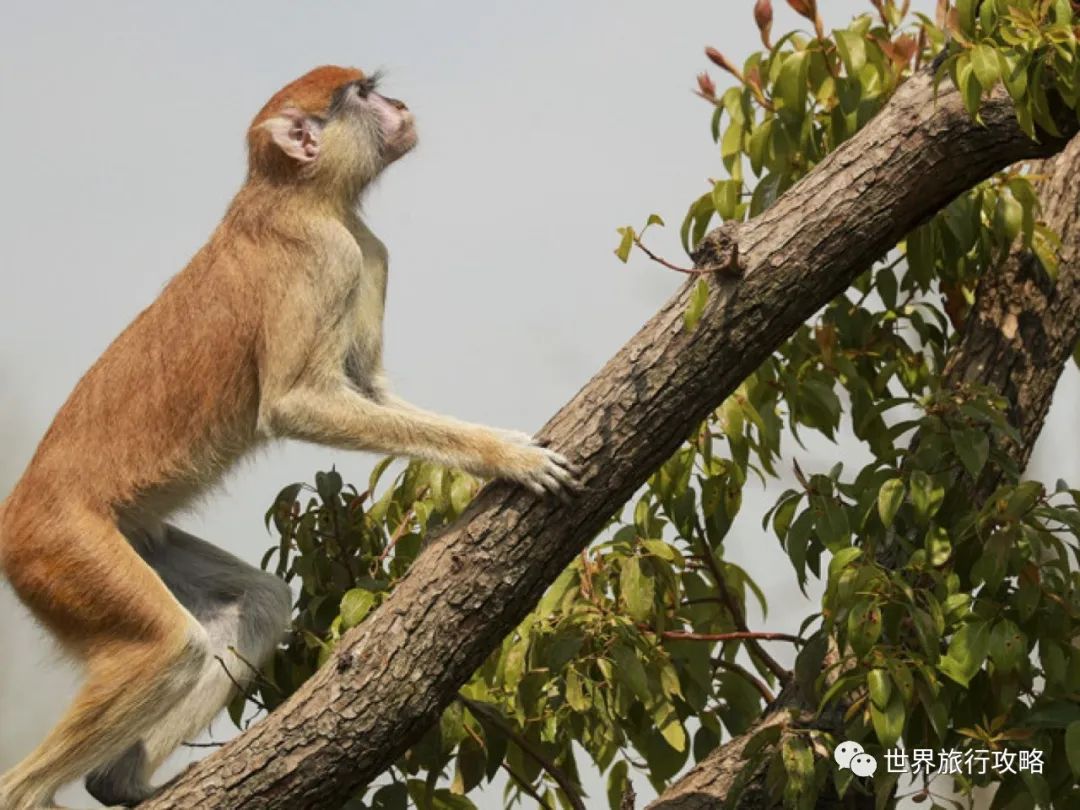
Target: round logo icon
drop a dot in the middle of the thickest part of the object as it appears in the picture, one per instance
(850, 754)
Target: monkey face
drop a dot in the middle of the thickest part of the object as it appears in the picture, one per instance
(331, 127)
(392, 120)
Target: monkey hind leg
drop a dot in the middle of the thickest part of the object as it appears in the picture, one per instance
(244, 612)
(122, 697)
(142, 650)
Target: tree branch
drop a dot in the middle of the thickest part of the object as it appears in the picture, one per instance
(391, 676)
(1016, 340)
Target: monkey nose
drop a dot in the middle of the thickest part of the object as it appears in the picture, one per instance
(398, 103)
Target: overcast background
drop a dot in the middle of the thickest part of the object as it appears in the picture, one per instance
(543, 126)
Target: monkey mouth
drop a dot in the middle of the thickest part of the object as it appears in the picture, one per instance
(403, 139)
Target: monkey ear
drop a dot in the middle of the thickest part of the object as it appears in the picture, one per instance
(296, 134)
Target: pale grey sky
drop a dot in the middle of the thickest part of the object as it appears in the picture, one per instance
(543, 126)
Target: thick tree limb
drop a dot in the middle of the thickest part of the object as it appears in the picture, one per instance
(1017, 340)
(391, 676)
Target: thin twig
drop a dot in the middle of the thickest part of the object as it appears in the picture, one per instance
(739, 669)
(525, 786)
(690, 271)
(571, 790)
(737, 615)
(522, 782)
(243, 690)
(256, 672)
(399, 532)
(738, 635)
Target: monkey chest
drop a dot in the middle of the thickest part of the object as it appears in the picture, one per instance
(352, 289)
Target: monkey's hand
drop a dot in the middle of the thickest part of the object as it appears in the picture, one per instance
(531, 464)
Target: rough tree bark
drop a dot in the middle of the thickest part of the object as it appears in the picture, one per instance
(391, 676)
(1017, 340)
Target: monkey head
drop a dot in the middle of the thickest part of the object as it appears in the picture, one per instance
(331, 126)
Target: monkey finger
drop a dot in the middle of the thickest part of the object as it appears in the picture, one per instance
(534, 486)
(566, 478)
(569, 478)
(557, 458)
(556, 487)
(575, 470)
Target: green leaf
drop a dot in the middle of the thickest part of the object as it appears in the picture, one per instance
(938, 546)
(443, 799)
(1008, 645)
(970, 90)
(1072, 747)
(726, 197)
(626, 244)
(890, 496)
(617, 782)
(796, 542)
(1008, 216)
(377, 472)
(888, 722)
(926, 495)
(760, 139)
(391, 797)
(791, 83)
(863, 627)
(562, 648)
(236, 708)
(667, 720)
(902, 678)
(328, 484)
(557, 591)
(820, 406)
(574, 690)
(471, 764)
(842, 559)
(1023, 500)
(1014, 75)
(284, 501)
(798, 759)
(638, 589)
(832, 524)
(355, 605)
(965, 13)
(967, 651)
(669, 680)
(630, 671)
(461, 492)
(731, 143)
(852, 48)
(694, 310)
(880, 687)
(985, 63)
(973, 447)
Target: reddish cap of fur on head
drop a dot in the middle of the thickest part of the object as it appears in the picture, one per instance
(312, 94)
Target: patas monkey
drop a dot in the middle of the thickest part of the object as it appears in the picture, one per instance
(273, 330)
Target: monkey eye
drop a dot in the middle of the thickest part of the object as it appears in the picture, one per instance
(362, 89)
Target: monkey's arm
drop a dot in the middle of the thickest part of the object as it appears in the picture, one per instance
(339, 416)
